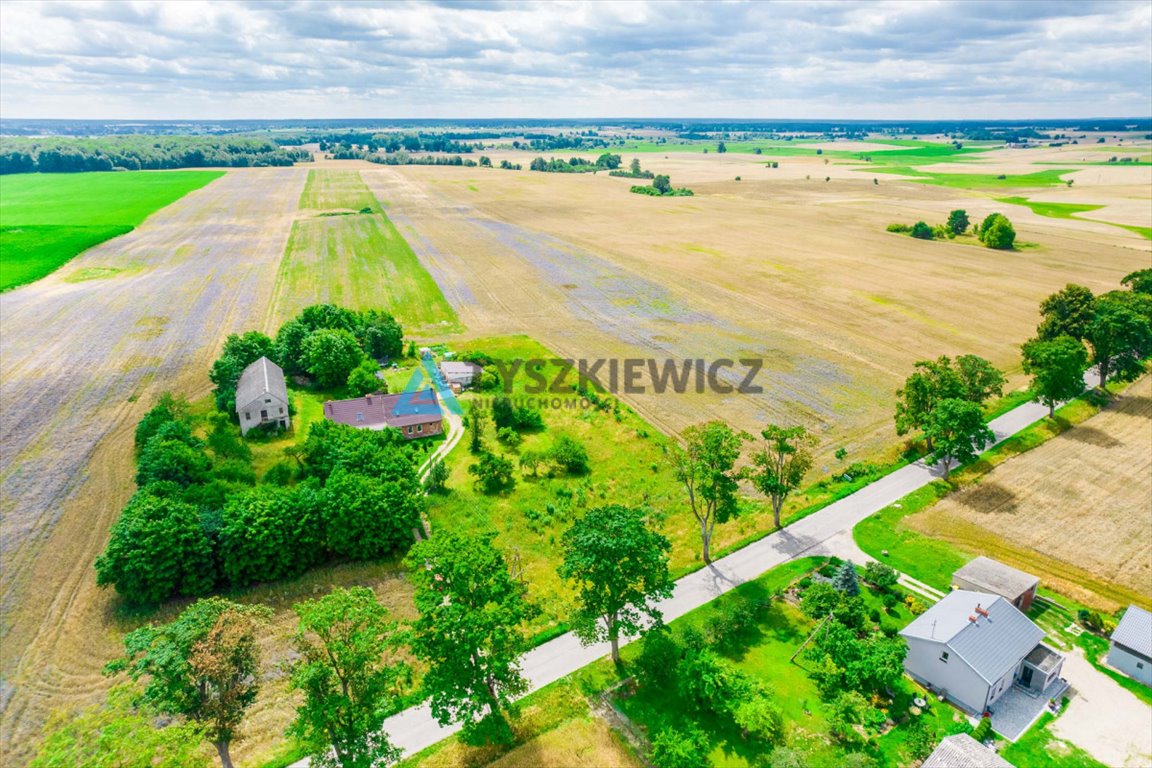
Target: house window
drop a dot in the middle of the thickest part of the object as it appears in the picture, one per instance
(281, 410)
(419, 428)
(359, 416)
(409, 430)
(1139, 665)
(263, 414)
(944, 657)
(267, 399)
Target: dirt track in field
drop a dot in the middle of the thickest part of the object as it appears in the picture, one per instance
(795, 271)
(81, 362)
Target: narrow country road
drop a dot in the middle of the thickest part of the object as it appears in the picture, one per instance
(415, 729)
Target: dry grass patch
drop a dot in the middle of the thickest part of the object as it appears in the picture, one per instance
(1074, 510)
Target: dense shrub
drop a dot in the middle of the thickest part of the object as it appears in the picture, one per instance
(679, 749)
(922, 231)
(370, 517)
(983, 729)
(880, 575)
(569, 455)
(659, 656)
(270, 533)
(997, 232)
(899, 228)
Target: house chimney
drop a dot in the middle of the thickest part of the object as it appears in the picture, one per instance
(972, 619)
(369, 397)
(982, 611)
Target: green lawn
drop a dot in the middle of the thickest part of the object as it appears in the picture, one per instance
(1053, 210)
(1038, 748)
(358, 260)
(47, 219)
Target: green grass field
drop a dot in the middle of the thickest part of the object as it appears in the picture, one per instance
(1046, 178)
(358, 260)
(1052, 210)
(47, 219)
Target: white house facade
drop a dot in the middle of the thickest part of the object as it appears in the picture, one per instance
(1131, 650)
(262, 396)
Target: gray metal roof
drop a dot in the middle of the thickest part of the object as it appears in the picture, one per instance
(1135, 631)
(262, 376)
(991, 645)
(963, 751)
(993, 576)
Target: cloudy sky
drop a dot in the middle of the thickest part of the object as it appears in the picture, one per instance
(896, 59)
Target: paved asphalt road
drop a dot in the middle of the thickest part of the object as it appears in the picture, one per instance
(414, 729)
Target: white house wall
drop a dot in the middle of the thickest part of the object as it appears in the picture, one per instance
(1129, 664)
(955, 677)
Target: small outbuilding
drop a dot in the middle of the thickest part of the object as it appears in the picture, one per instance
(1131, 650)
(987, 575)
(459, 373)
(963, 751)
(262, 396)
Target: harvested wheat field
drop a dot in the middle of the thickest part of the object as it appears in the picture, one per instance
(1074, 510)
(85, 352)
(746, 269)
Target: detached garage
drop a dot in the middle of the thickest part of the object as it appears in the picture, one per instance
(1131, 651)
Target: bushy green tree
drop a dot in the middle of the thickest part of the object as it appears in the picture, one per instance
(958, 221)
(351, 676)
(619, 566)
(922, 231)
(997, 232)
(958, 433)
(168, 408)
(493, 473)
(569, 455)
(1068, 312)
(1139, 281)
(1121, 338)
(330, 355)
(290, 346)
(1057, 369)
(117, 734)
(970, 378)
(363, 381)
(662, 184)
(204, 666)
(759, 719)
(269, 533)
(880, 575)
(381, 453)
(673, 748)
(381, 336)
(240, 351)
(171, 460)
(436, 480)
(370, 517)
(157, 549)
(469, 631)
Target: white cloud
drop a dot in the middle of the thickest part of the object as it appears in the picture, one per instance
(894, 59)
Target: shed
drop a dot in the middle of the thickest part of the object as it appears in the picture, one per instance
(987, 575)
(1131, 650)
(963, 751)
(460, 372)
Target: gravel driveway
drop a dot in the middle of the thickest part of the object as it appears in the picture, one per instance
(1104, 719)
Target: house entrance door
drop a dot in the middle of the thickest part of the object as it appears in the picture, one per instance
(1026, 677)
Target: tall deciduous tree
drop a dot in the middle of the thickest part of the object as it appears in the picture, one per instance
(1068, 312)
(620, 568)
(1139, 281)
(958, 433)
(330, 355)
(970, 378)
(958, 221)
(781, 463)
(979, 379)
(705, 466)
(203, 666)
(351, 678)
(1057, 369)
(1121, 337)
(469, 631)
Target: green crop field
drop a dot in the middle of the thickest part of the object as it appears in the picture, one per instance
(47, 219)
(348, 252)
(1053, 210)
(1047, 178)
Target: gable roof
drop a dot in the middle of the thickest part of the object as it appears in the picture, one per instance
(994, 576)
(991, 645)
(1135, 631)
(963, 751)
(260, 378)
(377, 411)
(449, 367)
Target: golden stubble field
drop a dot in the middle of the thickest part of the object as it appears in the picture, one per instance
(797, 272)
(1082, 502)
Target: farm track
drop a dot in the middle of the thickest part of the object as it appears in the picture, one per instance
(81, 362)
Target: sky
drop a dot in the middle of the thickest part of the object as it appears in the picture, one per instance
(892, 59)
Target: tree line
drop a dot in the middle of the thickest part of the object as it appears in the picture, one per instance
(135, 153)
(996, 231)
(661, 186)
(606, 161)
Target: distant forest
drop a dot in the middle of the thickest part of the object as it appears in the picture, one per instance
(136, 153)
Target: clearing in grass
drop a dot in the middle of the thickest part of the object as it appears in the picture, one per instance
(344, 250)
(47, 219)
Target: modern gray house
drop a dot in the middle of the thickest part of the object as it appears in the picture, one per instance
(983, 574)
(972, 647)
(963, 751)
(262, 396)
(1131, 650)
